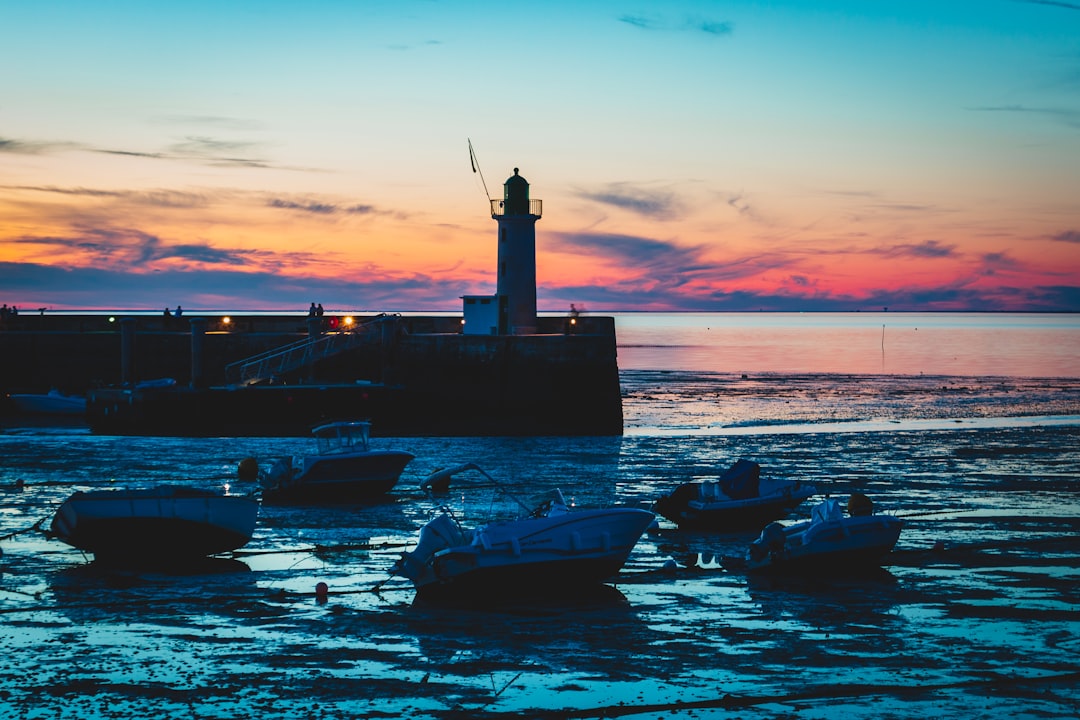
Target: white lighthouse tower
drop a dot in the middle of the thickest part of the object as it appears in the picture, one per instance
(516, 291)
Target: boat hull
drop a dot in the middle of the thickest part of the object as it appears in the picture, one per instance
(733, 515)
(844, 546)
(342, 479)
(50, 404)
(164, 523)
(572, 549)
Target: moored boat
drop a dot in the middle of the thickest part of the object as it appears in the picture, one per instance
(830, 542)
(344, 470)
(737, 500)
(51, 403)
(158, 524)
(546, 548)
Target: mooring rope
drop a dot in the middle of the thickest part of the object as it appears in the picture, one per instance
(35, 526)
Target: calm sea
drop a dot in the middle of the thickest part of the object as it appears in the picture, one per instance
(962, 344)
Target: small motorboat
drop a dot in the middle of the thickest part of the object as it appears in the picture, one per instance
(830, 542)
(738, 500)
(158, 524)
(345, 470)
(549, 547)
(53, 402)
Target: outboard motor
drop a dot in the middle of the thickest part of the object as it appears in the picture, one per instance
(279, 475)
(440, 533)
(771, 540)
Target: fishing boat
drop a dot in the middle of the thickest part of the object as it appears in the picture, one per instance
(737, 500)
(344, 470)
(161, 523)
(830, 542)
(545, 548)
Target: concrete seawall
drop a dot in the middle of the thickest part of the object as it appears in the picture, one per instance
(414, 375)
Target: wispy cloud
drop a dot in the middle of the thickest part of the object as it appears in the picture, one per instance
(400, 47)
(1069, 116)
(659, 204)
(33, 147)
(806, 297)
(629, 250)
(130, 248)
(78, 191)
(1051, 3)
(928, 249)
(218, 152)
(321, 208)
(221, 288)
(991, 264)
(740, 203)
(155, 198)
(906, 207)
(133, 153)
(1069, 236)
(694, 24)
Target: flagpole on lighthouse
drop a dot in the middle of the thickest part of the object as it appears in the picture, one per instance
(476, 169)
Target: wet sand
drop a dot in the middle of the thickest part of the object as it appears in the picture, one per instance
(973, 616)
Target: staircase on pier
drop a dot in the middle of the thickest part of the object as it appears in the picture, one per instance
(301, 354)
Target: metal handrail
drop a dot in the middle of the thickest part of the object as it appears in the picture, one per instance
(498, 208)
(299, 354)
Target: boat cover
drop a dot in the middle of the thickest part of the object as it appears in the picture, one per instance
(740, 482)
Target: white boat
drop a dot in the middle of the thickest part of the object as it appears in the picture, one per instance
(737, 500)
(53, 402)
(829, 542)
(158, 524)
(345, 469)
(548, 547)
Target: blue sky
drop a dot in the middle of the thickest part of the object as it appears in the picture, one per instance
(690, 155)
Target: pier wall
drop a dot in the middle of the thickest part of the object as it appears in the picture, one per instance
(433, 379)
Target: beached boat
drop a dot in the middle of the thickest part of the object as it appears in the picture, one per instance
(829, 542)
(158, 524)
(53, 402)
(345, 469)
(547, 547)
(737, 500)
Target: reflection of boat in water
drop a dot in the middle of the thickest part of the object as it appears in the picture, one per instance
(53, 403)
(183, 568)
(829, 542)
(166, 523)
(539, 601)
(550, 548)
(345, 469)
(738, 500)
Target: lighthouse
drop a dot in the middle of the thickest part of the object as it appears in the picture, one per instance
(515, 295)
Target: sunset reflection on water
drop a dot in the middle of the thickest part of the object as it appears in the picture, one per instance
(973, 344)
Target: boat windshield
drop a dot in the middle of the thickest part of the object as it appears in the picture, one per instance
(342, 437)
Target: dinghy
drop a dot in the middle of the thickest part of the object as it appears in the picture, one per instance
(738, 500)
(830, 542)
(162, 523)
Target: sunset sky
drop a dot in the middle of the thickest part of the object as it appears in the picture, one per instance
(781, 155)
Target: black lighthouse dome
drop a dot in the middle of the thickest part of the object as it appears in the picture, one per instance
(516, 195)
